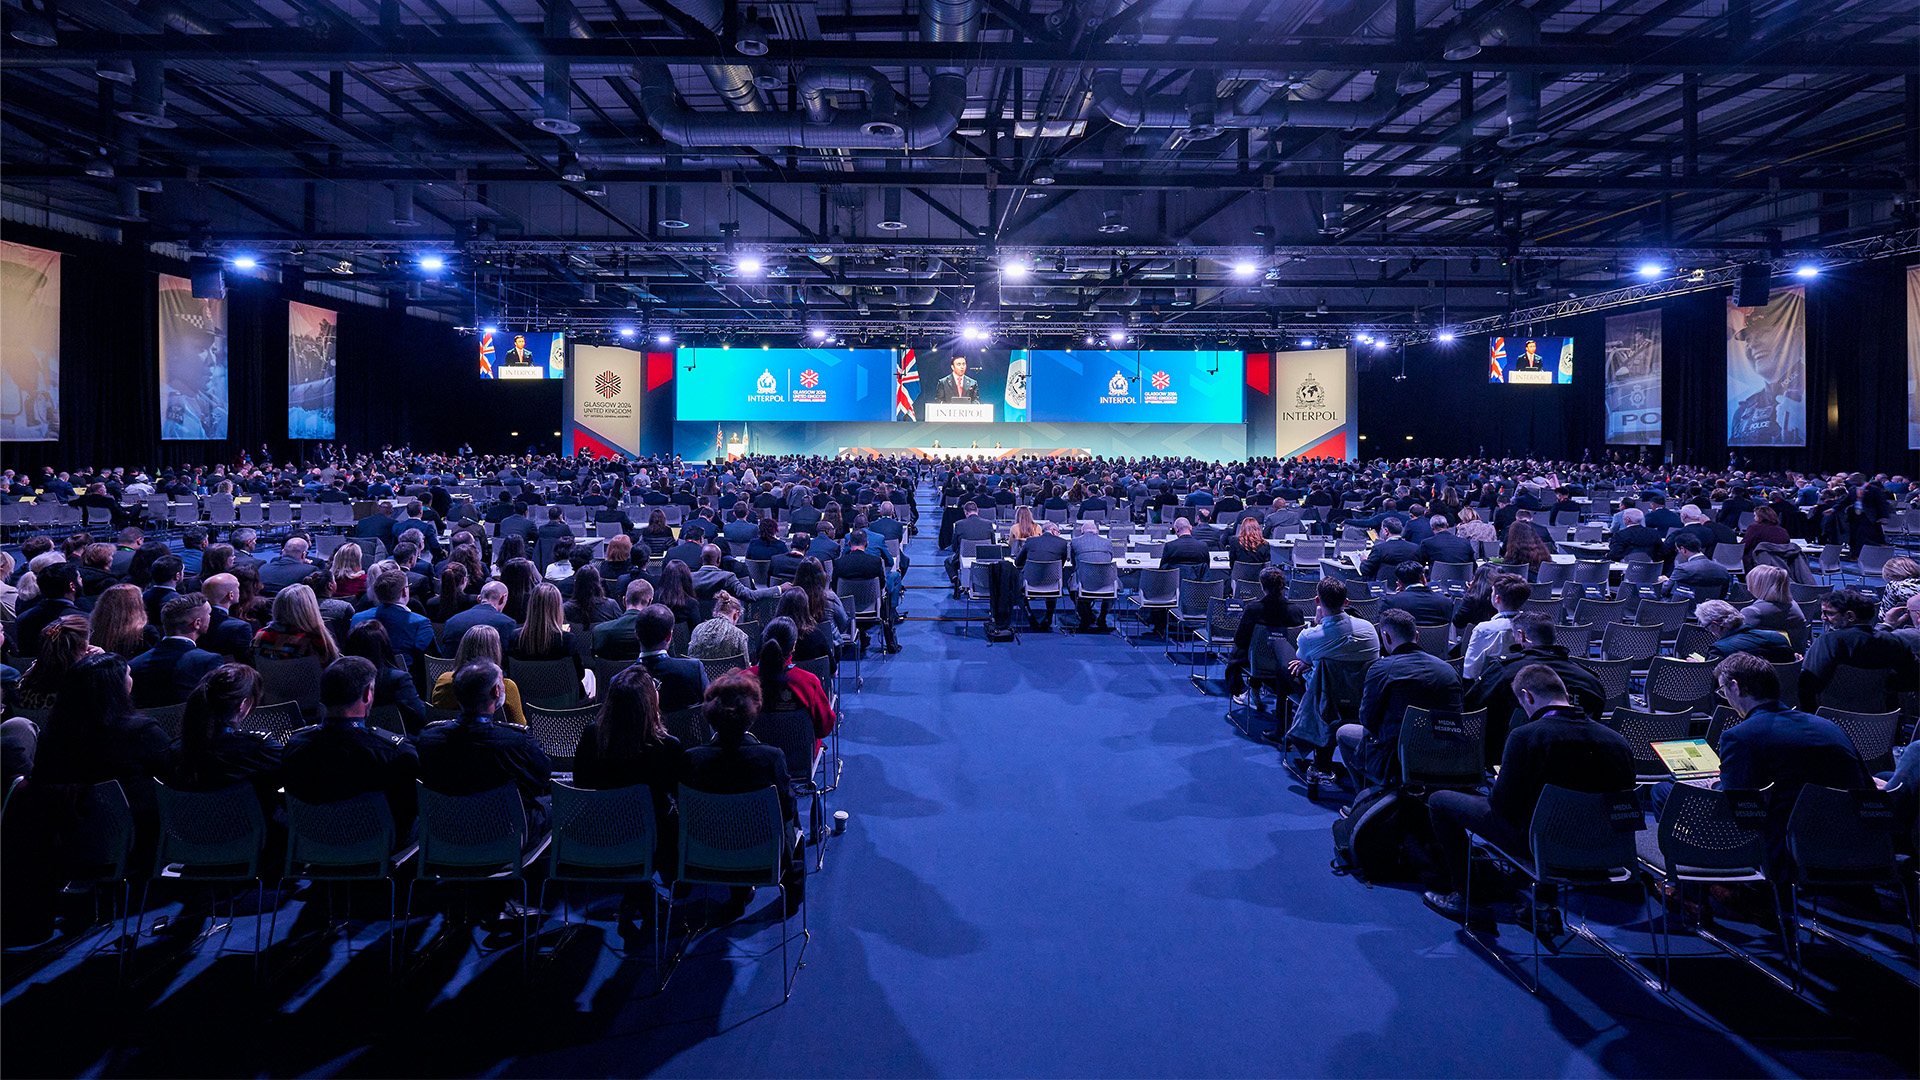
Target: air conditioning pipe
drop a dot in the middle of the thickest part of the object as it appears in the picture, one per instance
(1512, 26)
(1111, 100)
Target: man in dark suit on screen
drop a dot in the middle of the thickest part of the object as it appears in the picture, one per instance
(957, 387)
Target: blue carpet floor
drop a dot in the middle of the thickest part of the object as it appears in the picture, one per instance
(1061, 861)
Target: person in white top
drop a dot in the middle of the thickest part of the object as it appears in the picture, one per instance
(1492, 638)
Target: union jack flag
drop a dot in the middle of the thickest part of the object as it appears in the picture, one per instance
(1497, 362)
(906, 383)
(1161, 380)
(486, 355)
(809, 378)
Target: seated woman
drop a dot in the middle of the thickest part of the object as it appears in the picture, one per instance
(675, 592)
(1271, 611)
(656, 534)
(719, 637)
(296, 629)
(628, 744)
(590, 603)
(1249, 544)
(813, 640)
(1773, 607)
(63, 644)
(764, 547)
(783, 686)
(736, 764)
(560, 570)
(478, 643)
(1524, 547)
(394, 684)
(544, 635)
(453, 597)
(622, 561)
(1732, 634)
(811, 578)
(349, 578)
(214, 752)
(119, 623)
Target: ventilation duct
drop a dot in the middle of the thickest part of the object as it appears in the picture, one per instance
(670, 212)
(557, 100)
(735, 83)
(128, 197)
(890, 217)
(1252, 110)
(149, 105)
(1513, 26)
(403, 216)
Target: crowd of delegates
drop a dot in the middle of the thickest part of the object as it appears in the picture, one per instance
(1353, 679)
(97, 634)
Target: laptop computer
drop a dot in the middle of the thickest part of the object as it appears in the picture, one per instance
(1690, 761)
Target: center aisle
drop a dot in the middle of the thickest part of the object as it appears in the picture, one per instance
(1062, 862)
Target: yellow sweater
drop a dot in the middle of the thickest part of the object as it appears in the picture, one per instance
(443, 698)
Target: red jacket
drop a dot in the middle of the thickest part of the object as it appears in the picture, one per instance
(806, 689)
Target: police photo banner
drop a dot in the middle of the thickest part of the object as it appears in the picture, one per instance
(193, 363)
(29, 344)
(1913, 357)
(1313, 394)
(1633, 379)
(605, 416)
(311, 336)
(1767, 372)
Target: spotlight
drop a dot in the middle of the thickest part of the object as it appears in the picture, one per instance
(1089, 339)
(571, 170)
(33, 28)
(1807, 272)
(663, 338)
(1506, 180)
(972, 333)
(626, 331)
(1445, 335)
(1014, 269)
(752, 39)
(818, 333)
(433, 264)
(1651, 270)
(245, 262)
(1306, 343)
(1245, 268)
(1042, 175)
(1116, 336)
(1364, 339)
(489, 329)
(97, 165)
(747, 265)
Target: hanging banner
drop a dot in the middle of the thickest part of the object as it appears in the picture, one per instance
(311, 364)
(1633, 379)
(1767, 372)
(605, 410)
(1313, 395)
(1913, 357)
(29, 344)
(193, 363)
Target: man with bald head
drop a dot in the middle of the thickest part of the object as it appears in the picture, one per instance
(228, 635)
(290, 567)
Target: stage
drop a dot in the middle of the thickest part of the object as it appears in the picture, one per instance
(958, 453)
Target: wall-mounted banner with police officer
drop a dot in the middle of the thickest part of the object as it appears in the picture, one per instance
(193, 363)
(1633, 379)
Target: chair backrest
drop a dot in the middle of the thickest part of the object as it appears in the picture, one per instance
(477, 835)
(1615, 677)
(550, 684)
(1730, 556)
(1832, 844)
(169, 717)
(1196, 596)
(1699, 829)
(1856, 689)
(1681, 685)
(980, 579)
(821, 667)
(1669, 615)
(216, 833)
(558, 730)
(351, 839)
(1873, 558)
(1434, 640)
(723, 665)
(296, 680)
(1577, 638)
(1449, 753)
(610, 832)
(1600, 612)
(1692, 638)
(1574, 838)
(732, 839)
(1642, 729)
(1223, 618)
(99, 839)
(1553, 573)
(1873, 734)
(1100, 579)
(278, 720)
(1548, 607)
(1630, 641)
(1160, 586)
(861, 598)
(1443, 574)
(792, 731)
(1043, 575)
(689, 725)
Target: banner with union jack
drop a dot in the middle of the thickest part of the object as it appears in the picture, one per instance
(1497, 360)
(906, 384)
(486, 354)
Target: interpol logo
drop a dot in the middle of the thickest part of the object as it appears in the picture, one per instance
(1309, 394)
(607, 385)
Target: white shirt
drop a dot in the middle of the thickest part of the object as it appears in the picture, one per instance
(1489, 641)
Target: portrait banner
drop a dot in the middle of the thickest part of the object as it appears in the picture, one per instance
(29, 344)
(1633, 379)
(193, 363)
(1913, 357)
(1313, 394)
(1767, 372)
(312, 334)
(605, 419)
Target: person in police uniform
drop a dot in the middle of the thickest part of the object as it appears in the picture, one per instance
(193, 401)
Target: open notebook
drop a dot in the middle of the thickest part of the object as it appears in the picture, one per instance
(1688, 759)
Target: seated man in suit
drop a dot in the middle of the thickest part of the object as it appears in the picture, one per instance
(1090, 548)
(687, 550)
(378, 524)
(1389, 551)
(859, 564)
(736, 764)
(488, 611)
(1404, 677)
(1414, 596)
(970, 527)
(290, 567)
(166, 572)
(1707, 579)
(1558, 745)
(547, 537)
(1444, 545)
(1533, 636)
(1049, 546)
(741, 527)
(472, 754)
(681, 682)
(1186, 552)
(410, 632)
(227, 635)
(1332, 647)
(342, 756)
(711, 576)
(614, 639)
(165, 674)
(782, 567)
(823, 546)
(1634, 539)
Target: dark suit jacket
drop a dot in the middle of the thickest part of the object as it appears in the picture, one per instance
(968, 389)
(280, 571)
(1446, 547)
(477, 615)
(1386, 555)
(168, 672)
(1708, 579)
(1048, 547)
(546, 537)
(859, 566)
(1858, 647)
(682, 682)
(1427, 607)
(1185, 551)
(1637, 538)
(1493, 690)
(1788, 749)
(686, 551)
(156, 598)
(1559, 746)
(468, 756)
(1402, 678)
(737, 770)
(339, 759)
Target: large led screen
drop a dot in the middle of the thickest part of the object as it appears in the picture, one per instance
(513, 355)
(1170, 387)
(786, 384)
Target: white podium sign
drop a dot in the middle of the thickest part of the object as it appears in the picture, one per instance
(959, 414)
(520, 371)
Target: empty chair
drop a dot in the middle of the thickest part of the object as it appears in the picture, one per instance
(1730, 556)
(1681, 685)
(469, 839)
(689, 726)
(558, 730)
(214, 837)
(352, 840)
(1693, 639)
(278, 720)
(603, 838)
(1447, 752)
(1615, 678)
(1600, 612)
(1873, 734)
(722, 665)
(1159, 591)
(550, 684)
(1701, 841)
(1630, 641)
(1195, 598)
(1553, 574)
(1833, 846)
(296, 680)
(1434, 640)
(739, 841)
(1642, 729)
(1450, 577)
(1576, 638)
(1669, 615)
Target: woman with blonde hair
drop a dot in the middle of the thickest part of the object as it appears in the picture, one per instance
(1024, 527)
(1902, 576)
(544, 636)
(119, 623)
(349, 579)
(1773, 607)
(478, 643)
(1472, 528)
(719, 637)
(296, 629)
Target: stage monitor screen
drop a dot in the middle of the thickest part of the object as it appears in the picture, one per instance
(786, 384)
(971, 386)
(509, 354)
(1537, 361)
(1186, 386)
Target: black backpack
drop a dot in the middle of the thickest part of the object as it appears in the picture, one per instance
(1383, 838)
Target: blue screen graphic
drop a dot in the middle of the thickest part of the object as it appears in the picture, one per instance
(785, 384)
(1172, 387)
